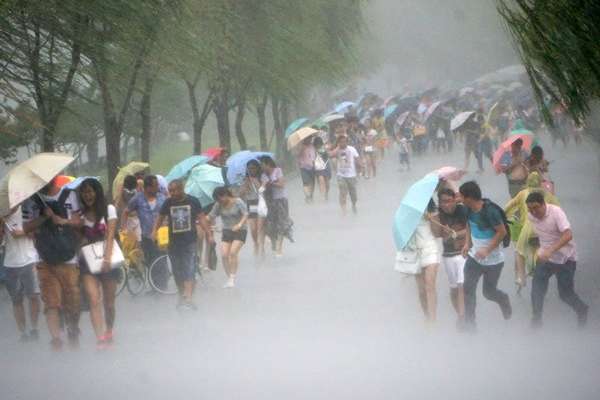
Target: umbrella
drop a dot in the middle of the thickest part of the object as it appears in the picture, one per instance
(465, 91)
(411, 209)
(432, 109)
(30, 176)
(298, 136)
(213, 153)
(61, 180)
(343, 106)
(132, 168)
(236, 164)
(402, 118)
(504, 149)
(450, 173)
(460, 119)
(295, 125)
(389, 110)
(202, 182)
(182, 168)
(332, 117)
(74, 185)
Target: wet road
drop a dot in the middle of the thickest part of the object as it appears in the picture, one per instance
(333, 320)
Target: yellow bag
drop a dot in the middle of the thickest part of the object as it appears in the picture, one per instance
(163, 237)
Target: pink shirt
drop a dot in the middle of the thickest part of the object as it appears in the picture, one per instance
(549, 229)
(306, 158)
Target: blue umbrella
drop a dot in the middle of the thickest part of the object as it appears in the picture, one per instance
(184, 167)
(343, 106)
(74, 185)
(295, 125)
(389, 110)
(202, 182)
(411, 209)
(236, 164)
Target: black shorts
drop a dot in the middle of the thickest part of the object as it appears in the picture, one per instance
(252, 204)
(308, 176)
(229, 236)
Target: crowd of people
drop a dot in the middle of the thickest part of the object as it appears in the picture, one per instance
(49, 237)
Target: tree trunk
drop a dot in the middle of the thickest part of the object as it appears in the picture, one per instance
(285, 122)
(92, 151)
(198, 118)
(221, 111)
(239, 119)
(146, 115)
(279, 136)
(262, 122)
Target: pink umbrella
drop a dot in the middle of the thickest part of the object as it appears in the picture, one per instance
(450, 173)
(504, 149)
(213, 152)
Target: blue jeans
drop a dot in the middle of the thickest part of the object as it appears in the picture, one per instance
(491, 274)
(565, 274)
(183, 261)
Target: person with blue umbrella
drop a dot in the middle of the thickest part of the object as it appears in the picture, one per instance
(418, 252)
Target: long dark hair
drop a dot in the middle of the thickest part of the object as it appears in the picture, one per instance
(99, 206)
(253, 163)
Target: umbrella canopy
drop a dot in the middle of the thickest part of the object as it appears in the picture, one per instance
(30, 176)
(332, 117)
(411, 209)
(236, 164)
(460, 119)
(503, 150)
(465, 90)
(402, 118)
(389, 110)
(298, 136)
(202, 182)
(132, 168)
(450, 173)
(62, 180)
(182, 168)
(213, 153)
(74, 185)
(343, 107)
(295, 125)
(432, 109)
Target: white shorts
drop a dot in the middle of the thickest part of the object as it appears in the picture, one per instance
(429, 256)
(455, 269)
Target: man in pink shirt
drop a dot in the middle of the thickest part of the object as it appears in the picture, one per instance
(557, 255)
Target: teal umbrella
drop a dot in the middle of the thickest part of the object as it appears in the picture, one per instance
(295, 125)
(184, 167)
(411, 209)
(202, 182)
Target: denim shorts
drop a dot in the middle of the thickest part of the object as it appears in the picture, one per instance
(183, 261)
(22, 281)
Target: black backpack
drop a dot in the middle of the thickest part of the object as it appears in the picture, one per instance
(488, 203)
(56, 244)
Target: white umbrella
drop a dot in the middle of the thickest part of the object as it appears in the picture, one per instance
(297, 137)
(432, 109)
(29, 177)
(460, 119)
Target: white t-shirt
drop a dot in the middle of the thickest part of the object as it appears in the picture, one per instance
(346, 167)
(111, 213)
(19, 251)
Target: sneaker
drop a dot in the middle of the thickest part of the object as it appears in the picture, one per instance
(108, 337)
(229, 284)
(188, 305)
(582, 317)
(34, 335)
(56, 344)
(506, 309)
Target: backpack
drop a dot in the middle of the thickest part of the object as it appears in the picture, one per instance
(488, 203)
(56, 244)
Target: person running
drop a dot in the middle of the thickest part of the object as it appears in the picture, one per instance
(99, 224)
(278, 224)
(234, 214)
(146, 205)
(53, 214)
(249, 192)
(513, 165)
(485, 232)
(472, 133)
(306, 164)
(322, 167)
(186, 222)
(370, 155)
(521, 232)
(348, 165)
(451, 225)
(20, 259)
(557, 256)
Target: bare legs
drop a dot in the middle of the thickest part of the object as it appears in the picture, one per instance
(101, 293)
(324, 187)
(229, 255)
(427, 294)
(34, 312)
(457, 297)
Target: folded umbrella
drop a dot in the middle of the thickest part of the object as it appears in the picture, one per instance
(236, 164)
(202, 182)
(503, 150)
(297, 137)
(460, 119)
(132, 168)
(411, 209)
(182, 168)
(295, 125)
(28, 177)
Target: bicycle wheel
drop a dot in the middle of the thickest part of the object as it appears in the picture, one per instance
(121, 275)
(161, 276)
(136, 280)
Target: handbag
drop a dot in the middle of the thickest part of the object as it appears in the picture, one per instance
(93, 254)
(407, 262)
(261, 208)
(320, 165)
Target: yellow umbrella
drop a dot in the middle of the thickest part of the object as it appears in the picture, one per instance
(297, 137)
(28, 177)
(132, 168)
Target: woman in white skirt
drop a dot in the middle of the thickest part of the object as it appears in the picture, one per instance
(429, 261)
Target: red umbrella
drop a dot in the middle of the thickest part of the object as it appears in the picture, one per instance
(213, 153)
(62, 180)
(504, 149)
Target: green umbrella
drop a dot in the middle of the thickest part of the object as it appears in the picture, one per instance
(202, 182)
